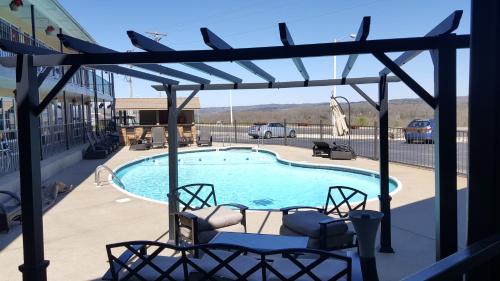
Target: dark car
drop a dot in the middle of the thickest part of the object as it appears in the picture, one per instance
(420, 130)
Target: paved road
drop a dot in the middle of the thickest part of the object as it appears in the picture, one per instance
(419, 154)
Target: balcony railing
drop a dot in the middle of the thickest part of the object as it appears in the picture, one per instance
(53, 141)
(82, 78)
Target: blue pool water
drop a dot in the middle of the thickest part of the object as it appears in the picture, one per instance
(255, 179)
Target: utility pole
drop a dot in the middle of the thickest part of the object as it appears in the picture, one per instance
(334, 90)
(231, 104)
(334, 94)
(129, 80)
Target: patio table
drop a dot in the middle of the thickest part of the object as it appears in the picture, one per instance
(265, 242)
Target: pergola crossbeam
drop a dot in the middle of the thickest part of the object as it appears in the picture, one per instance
(150, 45)
(278, 85)
(447, 26)
(90, 48)
(287, 40)
(216, 43)
(363, 31)
(256, 53)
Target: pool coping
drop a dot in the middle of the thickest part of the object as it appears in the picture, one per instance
(399, 184)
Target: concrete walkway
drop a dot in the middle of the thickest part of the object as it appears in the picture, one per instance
(81, 223)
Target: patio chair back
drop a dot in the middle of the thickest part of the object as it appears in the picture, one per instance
(158, 136)
(321, 145)
(204, 135)
(142, 260)
(195, 196)
(344, 199)
(91, 140)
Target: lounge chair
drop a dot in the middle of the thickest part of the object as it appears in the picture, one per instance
(334, 152)
(204, 138)
(95, 150)
(158, 137)
(104, 140)
(201, 218)
(326, 227)
(98, 145)
(321, 148)
(10, 210)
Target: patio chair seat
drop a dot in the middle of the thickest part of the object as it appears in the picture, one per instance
(332, 241)
(216, 217)
(207, 235)
(324, 271)
(308, 223)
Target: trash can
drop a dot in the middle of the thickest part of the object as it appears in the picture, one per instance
(366, 224)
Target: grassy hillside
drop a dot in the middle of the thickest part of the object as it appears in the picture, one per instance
(401, 112)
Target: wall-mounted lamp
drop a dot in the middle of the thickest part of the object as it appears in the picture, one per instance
(49, 30)
(15, 4)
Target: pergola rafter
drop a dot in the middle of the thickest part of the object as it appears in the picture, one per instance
(287, 40)
(20, 48)
(216, 43)
(150, 45)
(447, 26)
(363, 31)
(90, 48)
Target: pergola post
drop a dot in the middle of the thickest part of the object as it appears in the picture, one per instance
(484, 131)
(96, 109)
(27, 100)
(83, 119)
(445, 152)
(173, 205)
(66, 125)
(113, 108)
(385, 199)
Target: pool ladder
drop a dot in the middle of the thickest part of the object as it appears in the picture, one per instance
(97, 175)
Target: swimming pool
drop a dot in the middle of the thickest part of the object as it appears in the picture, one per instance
(257, 179)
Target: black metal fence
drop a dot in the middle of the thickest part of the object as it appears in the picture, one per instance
(418, 151)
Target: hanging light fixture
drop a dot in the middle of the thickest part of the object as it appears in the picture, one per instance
(101, 105)
(109, 105)
(15, 4)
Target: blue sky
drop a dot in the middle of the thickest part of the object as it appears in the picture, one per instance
(255, 23)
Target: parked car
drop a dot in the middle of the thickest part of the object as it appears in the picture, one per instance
(420, 130)
(270, 130)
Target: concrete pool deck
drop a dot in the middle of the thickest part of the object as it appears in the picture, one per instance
(82, 222)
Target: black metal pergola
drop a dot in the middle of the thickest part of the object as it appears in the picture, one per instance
(441, 42)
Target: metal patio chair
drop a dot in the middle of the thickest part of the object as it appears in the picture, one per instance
(326, 227)
(204, 138)
(201, 218)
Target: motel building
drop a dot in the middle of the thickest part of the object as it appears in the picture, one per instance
(86, 100)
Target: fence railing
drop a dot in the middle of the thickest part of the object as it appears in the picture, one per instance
(406, 147)
(52, 141)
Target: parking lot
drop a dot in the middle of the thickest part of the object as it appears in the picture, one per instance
(364, 141)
